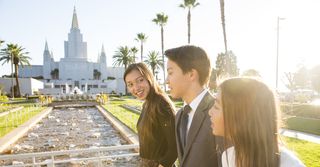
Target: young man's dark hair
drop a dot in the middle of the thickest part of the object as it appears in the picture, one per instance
(191, 57)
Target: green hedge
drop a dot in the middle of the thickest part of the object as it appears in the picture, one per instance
(308, 125)
(301, 110)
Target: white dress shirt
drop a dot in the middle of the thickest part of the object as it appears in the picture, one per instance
(194, 105)
(287, 158)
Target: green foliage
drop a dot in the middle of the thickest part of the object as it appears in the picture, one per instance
(301, 124)
(308, 152)
(123, 56)
(226, 64)
(301, 110)
(315, 78)
(13, 120)
(154, 61)
(4, 99)
(251, 73)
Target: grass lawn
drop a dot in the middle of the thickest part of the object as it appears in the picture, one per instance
(127, 117)
(13, 120)
(308, 152)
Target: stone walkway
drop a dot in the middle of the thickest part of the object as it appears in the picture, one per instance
(300, 135)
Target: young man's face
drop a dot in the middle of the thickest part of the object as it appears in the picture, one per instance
(176, 80)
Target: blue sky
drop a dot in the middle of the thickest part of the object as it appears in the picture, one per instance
(251, 29)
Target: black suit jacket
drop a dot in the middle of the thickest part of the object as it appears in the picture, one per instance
(200, 149)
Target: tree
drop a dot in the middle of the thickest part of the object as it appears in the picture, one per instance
(154, 61)
(289, 81)
(55, 74)
(161, 20)
(17, 56)
(301, 77)
(315, 78)
(123, 57)
(213, 80)
(134, 51)
(251, 73)
(141, 37)
(189, 4)
(223, 22)
(226, 64)
(1, 41)
(96, 74)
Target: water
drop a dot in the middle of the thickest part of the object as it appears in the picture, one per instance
(74, 128)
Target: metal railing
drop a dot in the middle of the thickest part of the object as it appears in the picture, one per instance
(99, 157)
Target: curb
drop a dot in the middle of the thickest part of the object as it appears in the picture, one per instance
(20, 131)
(125, 132)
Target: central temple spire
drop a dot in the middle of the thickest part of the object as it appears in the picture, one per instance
(74, 20)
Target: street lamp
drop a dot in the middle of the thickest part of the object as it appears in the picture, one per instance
(277, 64)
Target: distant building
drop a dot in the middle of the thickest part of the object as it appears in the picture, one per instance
(75, 70)
(28, 86)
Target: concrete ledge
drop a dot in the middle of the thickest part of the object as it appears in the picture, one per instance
(126, 132)
(12, 110)
(20, 131)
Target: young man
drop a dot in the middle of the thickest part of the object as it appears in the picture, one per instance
(189, 70)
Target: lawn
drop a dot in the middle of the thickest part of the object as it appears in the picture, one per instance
(14, 119)
(308, 152)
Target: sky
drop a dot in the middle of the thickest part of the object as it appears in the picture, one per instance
(251, 27)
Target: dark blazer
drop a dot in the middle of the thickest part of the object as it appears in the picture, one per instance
(200, 150)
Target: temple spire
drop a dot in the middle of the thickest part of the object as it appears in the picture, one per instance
(46, 48)
(102, 49)
(74, 20)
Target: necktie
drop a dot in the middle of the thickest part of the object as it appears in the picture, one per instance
(184, 124)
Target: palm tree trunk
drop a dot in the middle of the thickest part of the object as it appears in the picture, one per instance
(162, 48)
(141, 50)
(17, 79)
(223, 25)
(189, 27)
(125, 68)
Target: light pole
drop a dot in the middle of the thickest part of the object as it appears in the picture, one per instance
(277, 61)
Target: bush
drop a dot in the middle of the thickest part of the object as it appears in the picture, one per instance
(301, 110)
(4, 99)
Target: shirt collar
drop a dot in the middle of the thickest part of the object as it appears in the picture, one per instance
(196, 101)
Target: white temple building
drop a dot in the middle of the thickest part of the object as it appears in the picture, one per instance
(75, 71)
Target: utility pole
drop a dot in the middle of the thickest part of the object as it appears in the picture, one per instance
(277, 61)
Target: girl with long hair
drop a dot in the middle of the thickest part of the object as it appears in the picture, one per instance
(156, 123)
(246, 113)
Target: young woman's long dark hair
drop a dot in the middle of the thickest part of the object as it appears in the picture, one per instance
(250, 111)
(154, 99)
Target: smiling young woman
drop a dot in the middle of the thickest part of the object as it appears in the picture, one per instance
(156, 123)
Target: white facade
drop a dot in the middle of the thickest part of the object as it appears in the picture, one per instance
(75, 69)
(27, 85)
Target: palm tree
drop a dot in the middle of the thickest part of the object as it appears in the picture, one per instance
(141, 37)
(223, 25)
(161, 20)
(1, 42)
(154, 61)
(96, 74)
(134, 51)
(55, 74)
(189, 4)
(123, 57)
(17, 56)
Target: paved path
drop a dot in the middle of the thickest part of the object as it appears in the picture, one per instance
(300, 135)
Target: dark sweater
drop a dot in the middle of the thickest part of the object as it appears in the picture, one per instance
(161, 146)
